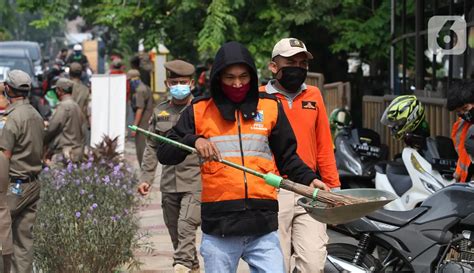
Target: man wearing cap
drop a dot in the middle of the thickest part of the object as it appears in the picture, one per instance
(19, 142)
(304, 107)
(180, 184)
(64, 136)
(80, 92)
(142, 106)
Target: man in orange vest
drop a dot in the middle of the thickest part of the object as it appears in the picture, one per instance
(239, 211)
(304, 107)
(461, 100)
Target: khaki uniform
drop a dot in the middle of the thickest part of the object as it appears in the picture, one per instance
(80, 94)
(143, 98)
(6, 243)
(180, 186)
(20, 135)
(65, 134)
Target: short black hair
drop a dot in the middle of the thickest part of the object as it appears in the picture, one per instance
(64, 49)
(460, 94)
(135, 62)
(75, 74)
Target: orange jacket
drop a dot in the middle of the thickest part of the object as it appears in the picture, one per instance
(250, 140)
(458, 135)
(307, 116)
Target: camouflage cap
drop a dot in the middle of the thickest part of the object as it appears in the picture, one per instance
(65, 84)
(75, 67)
(179, 68)
(133, 73)
(18, 80)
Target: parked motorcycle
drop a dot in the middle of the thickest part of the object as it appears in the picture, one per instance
(426, 165)
(437, 237)
(357, 150)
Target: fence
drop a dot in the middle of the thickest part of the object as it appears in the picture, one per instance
(335, 95)
(436, 114)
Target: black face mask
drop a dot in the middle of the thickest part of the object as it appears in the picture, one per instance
(468, 116)
(292, 77)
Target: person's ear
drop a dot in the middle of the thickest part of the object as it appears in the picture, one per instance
(273, 67)
(191, 83)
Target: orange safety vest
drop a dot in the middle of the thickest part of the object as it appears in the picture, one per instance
(308, 119)
(458, 135)
(233, 139)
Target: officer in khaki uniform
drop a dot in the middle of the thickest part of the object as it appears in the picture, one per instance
(20, 143)
(6, 243)
(142, 106)
(81, 95)
(180, 184)
(65, 135)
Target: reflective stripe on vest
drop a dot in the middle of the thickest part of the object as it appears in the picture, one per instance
(458, 136)
(222, 183)
(252, 144)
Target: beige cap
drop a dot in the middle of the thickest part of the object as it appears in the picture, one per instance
(64, 84)
(289, 47)
(179, 68)
(133, 73)
(75, 67)
(19, 80)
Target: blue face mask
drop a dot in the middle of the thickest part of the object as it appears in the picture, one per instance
(180, 91)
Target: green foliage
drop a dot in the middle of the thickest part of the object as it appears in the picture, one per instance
(194, 29)
(87, 219)
(362, 28)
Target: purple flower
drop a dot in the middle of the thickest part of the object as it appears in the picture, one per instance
(114, 219)
(82, 192)
(78, 214)
(94, 221)
(94, 206)
(69, 167)
(106, 179)
(125, 211)
(46, 169)
(88, 165)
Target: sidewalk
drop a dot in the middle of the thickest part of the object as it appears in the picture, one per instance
(161, 259)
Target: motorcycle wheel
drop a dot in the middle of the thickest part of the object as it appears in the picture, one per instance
(347, 252)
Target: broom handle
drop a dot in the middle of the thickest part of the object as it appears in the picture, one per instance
(300, 189)
(192, 150)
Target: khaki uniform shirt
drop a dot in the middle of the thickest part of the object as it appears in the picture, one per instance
(80, 94)
(65, 127)
(21, 131)
(184, 177)
(143, 98)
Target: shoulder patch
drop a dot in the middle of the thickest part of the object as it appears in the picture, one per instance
(311, 105)
(163, 114)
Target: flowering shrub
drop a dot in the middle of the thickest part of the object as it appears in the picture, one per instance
(86, 220)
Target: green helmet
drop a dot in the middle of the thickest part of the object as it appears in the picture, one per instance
(339, 118)
(403, 115)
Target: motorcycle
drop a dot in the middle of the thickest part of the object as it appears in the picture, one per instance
(357, 152)
(426, 165)
(436, 237)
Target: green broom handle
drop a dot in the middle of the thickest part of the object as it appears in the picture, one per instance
(270, 178)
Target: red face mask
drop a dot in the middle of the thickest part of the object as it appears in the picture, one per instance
(235, 94)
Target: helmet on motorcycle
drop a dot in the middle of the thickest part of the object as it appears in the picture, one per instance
(77, 47)
(339, 118)
(403, 115)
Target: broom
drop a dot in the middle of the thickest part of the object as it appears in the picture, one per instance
(329, 198)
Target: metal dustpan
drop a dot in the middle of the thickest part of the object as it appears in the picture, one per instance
(376, 199)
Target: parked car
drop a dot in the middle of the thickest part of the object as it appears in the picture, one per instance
(20, 59)
(33, 49)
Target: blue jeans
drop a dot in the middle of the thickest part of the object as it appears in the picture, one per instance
(262, 253)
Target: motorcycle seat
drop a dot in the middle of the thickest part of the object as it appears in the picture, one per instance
(396, 218)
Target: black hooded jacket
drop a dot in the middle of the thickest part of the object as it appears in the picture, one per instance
(247, 219)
